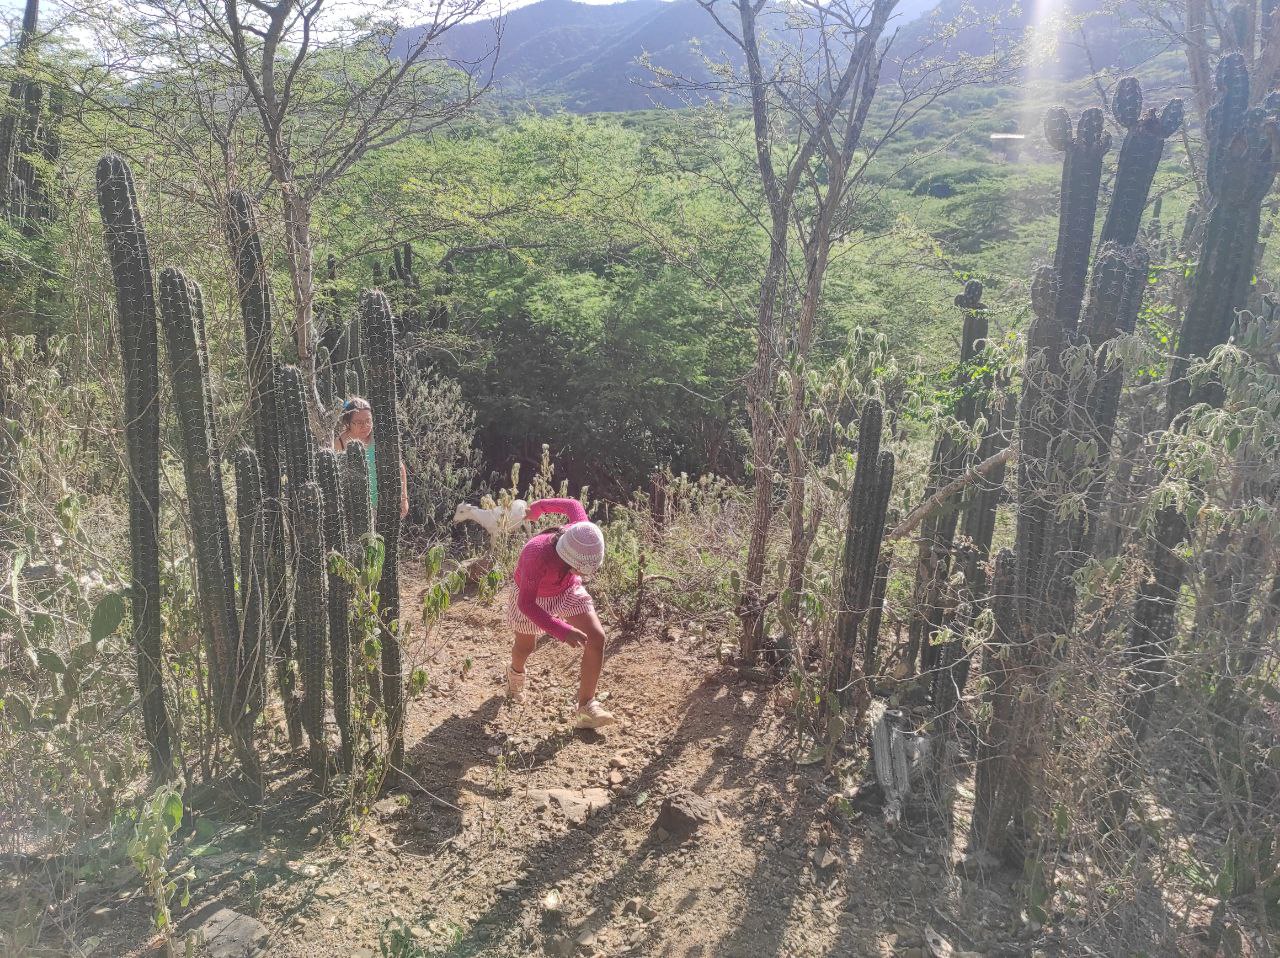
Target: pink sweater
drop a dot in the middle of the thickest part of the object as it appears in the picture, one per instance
(540, 572)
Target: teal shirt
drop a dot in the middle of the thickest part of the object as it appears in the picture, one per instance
(373, 475)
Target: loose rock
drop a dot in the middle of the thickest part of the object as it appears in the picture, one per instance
(684, 813)
(229, 934)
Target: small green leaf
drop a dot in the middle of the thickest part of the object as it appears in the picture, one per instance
(107, 616)
(173, 810)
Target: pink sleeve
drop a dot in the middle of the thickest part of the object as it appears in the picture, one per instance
(570, 508)
(527, 602)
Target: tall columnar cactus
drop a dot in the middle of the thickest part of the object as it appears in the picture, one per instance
(1243, 151)
(410, 316)
(1244, 146)
(378, 339)
(251, 514)
(311, 620)
(355, 482)
(1081, 178)
(868, 503)
(1001, 784)
(255, 311)
(1065, 423)
(325, 382)
(1139, 156)
(136, 307)
(181, 311)
(299, 444)
(26, 133)
(355, 488)
(335, 541)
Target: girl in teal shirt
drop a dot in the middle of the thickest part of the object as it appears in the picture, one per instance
(356, 422)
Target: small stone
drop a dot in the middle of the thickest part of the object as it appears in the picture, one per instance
(631, 906)
(390, 807)
(304, 870)
(647, 912)
(586, 942)
(494, 750)
(229, 934)
(619, 761)
(616, 778)
(683, 813)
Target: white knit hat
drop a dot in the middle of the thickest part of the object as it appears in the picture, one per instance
(581, 544)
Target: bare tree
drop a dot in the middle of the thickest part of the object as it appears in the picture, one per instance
(304, 84)
(810, 73)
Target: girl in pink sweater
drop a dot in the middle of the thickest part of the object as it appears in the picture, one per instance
(548, 596)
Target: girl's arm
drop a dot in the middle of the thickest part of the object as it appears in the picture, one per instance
(571, 508)
(404, 491)
(527, 602)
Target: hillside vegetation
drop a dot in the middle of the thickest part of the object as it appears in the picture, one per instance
(916, 365)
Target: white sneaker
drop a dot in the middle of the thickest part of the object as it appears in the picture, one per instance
(515, 685)
(593, 715)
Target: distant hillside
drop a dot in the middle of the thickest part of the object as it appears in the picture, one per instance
(588, 57)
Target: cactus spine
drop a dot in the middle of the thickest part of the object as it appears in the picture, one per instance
(377, 335)
(868, 502)
(136, 308)
(255, 312)
(335, 540)
(311, 620)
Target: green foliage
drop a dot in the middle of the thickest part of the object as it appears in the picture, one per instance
(154, 826)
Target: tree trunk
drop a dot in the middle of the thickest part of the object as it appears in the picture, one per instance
(752, 602)
(297, 235)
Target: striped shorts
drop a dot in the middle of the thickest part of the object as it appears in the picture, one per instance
(571, 602)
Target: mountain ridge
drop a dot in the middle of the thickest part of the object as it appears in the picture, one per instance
(588, 58)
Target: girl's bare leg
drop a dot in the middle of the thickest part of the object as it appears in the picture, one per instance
(592, 655)
(521, 649)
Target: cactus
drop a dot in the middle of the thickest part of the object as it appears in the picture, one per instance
(181, 311)
(126, 243)
(1066, 419)
(355, 482)
(996, 792)
(311, 620)
(25, 132)
(335, 540)
(255, 313)
(1140, 154)
(868, 503)
(326, 385)
(355, 487)
(1081, 178)
(1243, 151)
(251, 514)
(299, 444)
(378, 338)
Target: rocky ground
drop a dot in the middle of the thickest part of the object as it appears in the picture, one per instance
(690, 829)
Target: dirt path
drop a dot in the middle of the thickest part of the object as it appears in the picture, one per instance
(470, 868)
(468, 858)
